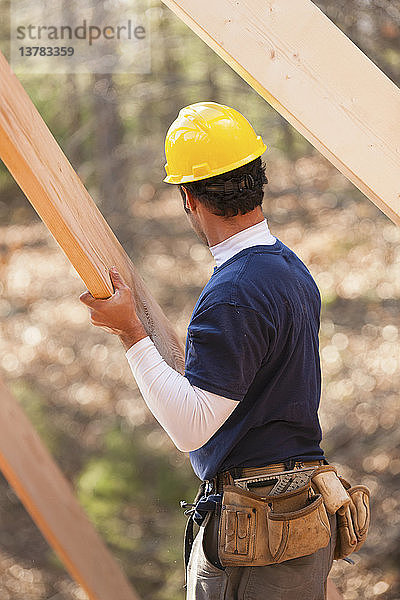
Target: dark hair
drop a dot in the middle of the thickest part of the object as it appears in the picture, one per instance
(236, 192)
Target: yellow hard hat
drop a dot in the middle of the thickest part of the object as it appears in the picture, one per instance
(208, 139)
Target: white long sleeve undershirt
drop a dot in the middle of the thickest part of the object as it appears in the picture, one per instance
(189, 415)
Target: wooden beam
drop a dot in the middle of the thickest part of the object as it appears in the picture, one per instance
(316, 78)
(39, 166)
(48, 497)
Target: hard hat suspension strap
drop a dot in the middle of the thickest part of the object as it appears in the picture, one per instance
(246, 182)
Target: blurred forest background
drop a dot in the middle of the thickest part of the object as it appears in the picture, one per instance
(73, 380)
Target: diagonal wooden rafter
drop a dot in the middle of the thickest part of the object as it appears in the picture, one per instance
(48, 180)
(316, 78)
(49, 499)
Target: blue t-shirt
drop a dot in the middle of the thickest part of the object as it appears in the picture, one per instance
(253, 337)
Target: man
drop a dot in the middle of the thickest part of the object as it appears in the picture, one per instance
(247, 404)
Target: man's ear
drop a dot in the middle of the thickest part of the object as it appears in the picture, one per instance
(191, 202)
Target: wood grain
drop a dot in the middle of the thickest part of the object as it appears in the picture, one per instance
(314, 76)
(49, 498)
(41, 169)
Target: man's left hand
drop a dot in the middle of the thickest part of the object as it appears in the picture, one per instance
(116, 314)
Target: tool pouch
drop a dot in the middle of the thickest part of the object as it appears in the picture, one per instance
(255, 531)
(353, 522)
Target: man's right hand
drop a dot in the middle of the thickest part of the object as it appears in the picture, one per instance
(116, 314)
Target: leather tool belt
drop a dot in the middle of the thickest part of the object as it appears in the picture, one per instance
(268, 515)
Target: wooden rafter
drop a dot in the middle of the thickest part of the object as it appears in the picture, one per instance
(49, 499)
(316, 78)
(48, 180)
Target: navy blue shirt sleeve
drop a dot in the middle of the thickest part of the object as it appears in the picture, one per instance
(225, 347)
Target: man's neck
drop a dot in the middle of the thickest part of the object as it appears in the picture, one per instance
(219, 229)
(255, 235)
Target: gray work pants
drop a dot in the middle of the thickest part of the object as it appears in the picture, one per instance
(298, 579)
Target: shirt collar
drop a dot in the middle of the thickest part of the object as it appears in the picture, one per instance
(256, 235)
